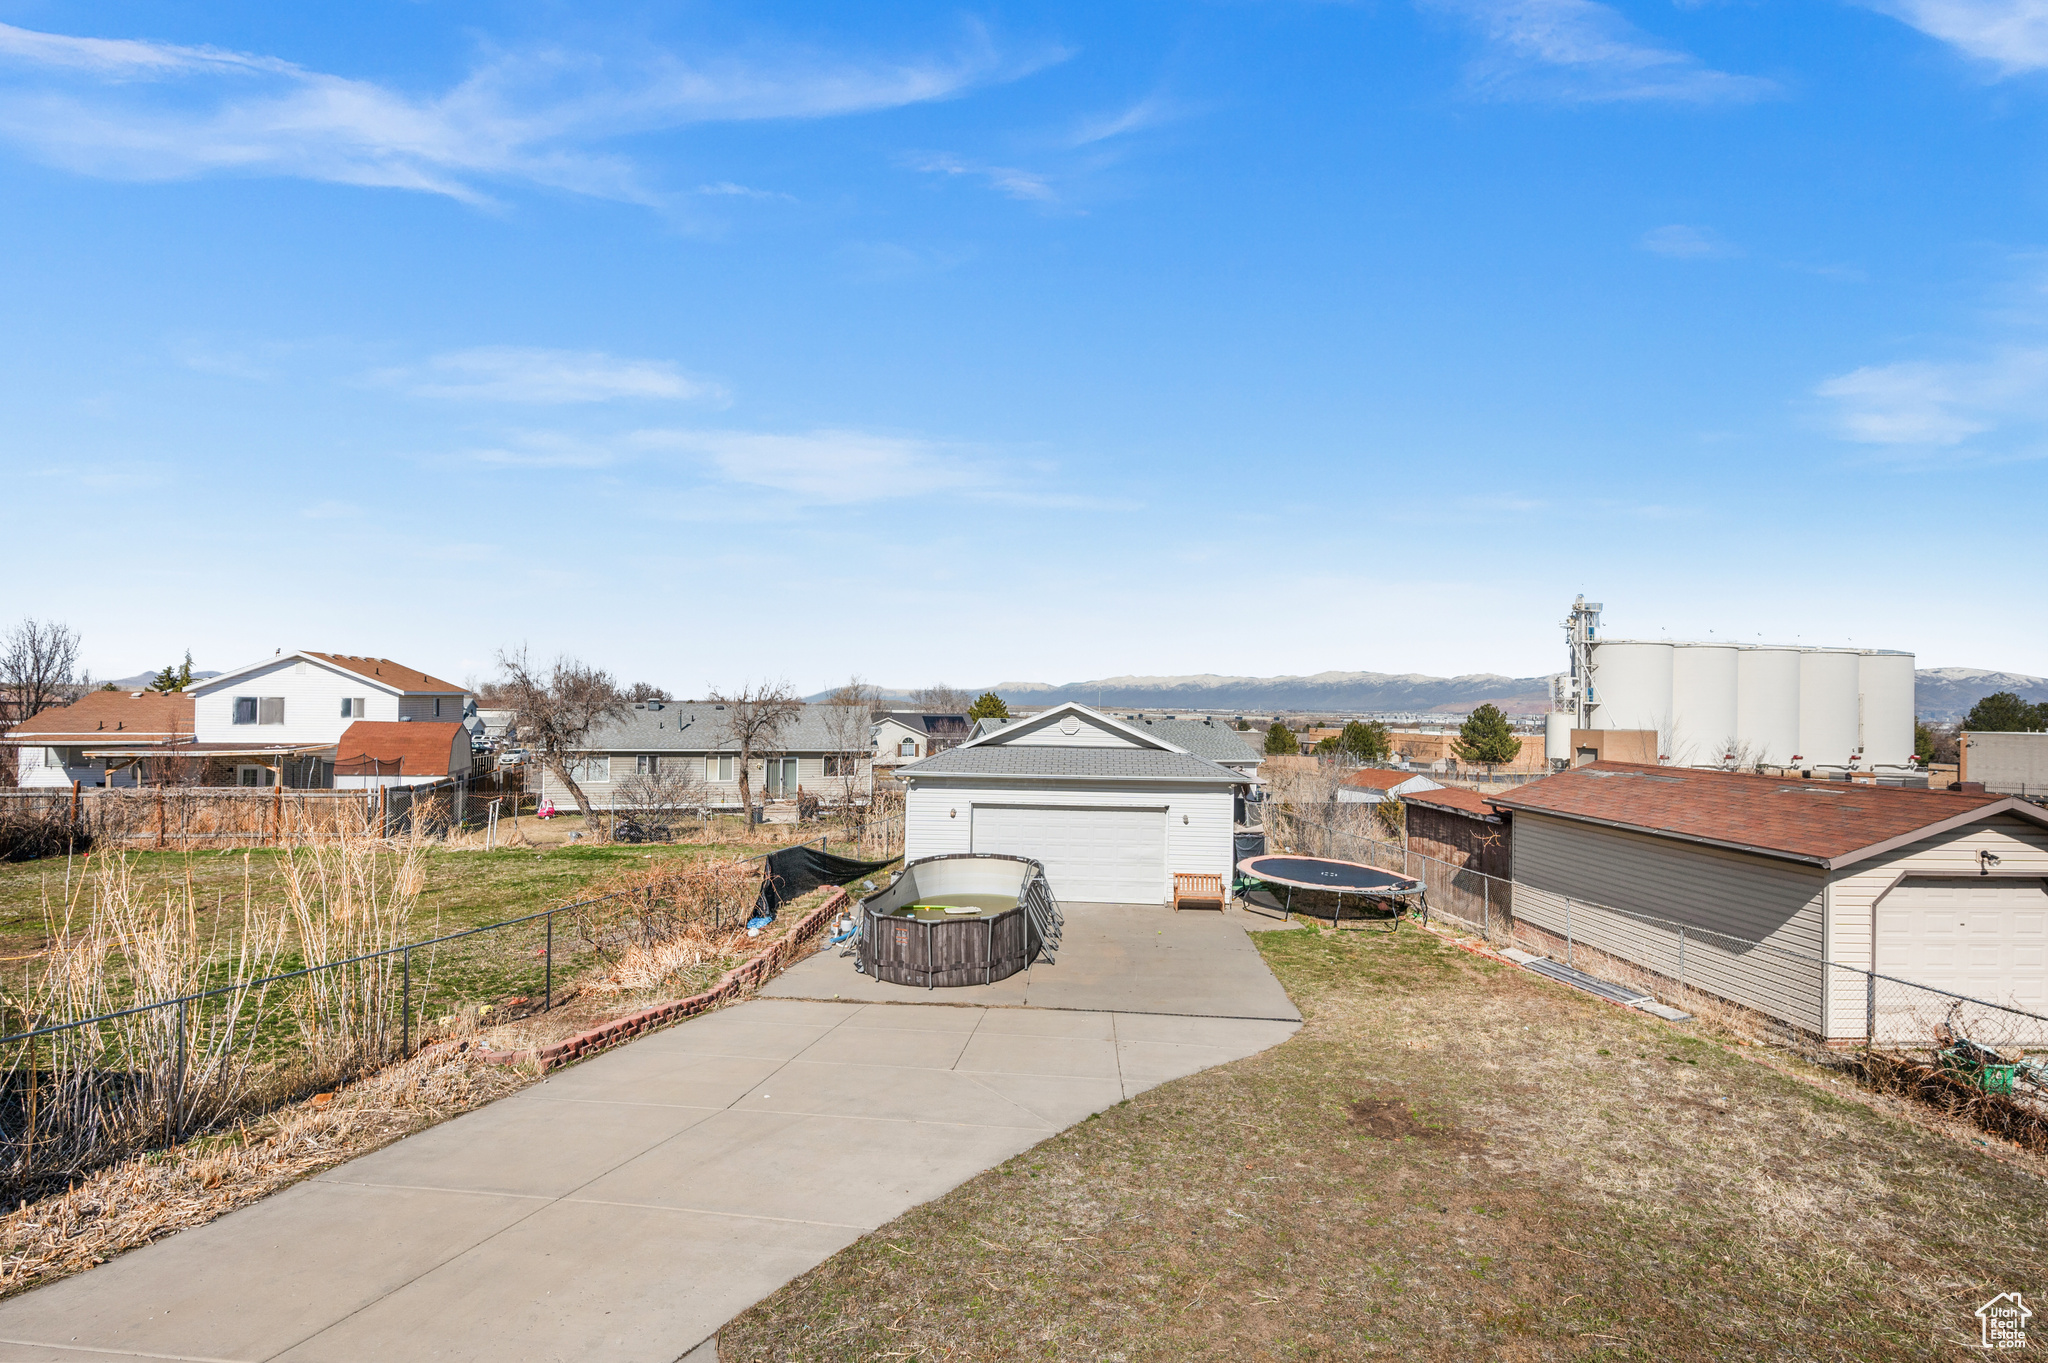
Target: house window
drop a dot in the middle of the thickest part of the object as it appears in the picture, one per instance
(718, 768)
(355, 707)
(253, 776)
(270, 710)
(245, 710)
(437, 707)
(842, 764)
(907, 748)
(586, 769)
(647, 764)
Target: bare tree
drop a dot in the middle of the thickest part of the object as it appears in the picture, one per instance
(940, 699)
(659, 799)
(755, 717)
(639, 691)
(38, 665)
(557, 711)
(850, 714)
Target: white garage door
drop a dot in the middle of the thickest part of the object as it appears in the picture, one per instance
(1110, 856)
(1983, 936)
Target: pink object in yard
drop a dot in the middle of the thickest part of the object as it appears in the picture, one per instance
(547, 810)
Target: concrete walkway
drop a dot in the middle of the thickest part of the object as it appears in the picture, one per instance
(626, 1208)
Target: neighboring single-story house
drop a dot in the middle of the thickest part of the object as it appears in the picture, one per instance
(2004, 763)
(1371, 785)
(821, 751)
(1111, 808)
(1948, 890)
(902, 736)
(1459, 827)
(52, 748)
(374, 753)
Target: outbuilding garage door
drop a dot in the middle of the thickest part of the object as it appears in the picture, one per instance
(1984, 936)
(1110, 856)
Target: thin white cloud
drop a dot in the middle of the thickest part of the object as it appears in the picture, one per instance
(2010, 34)
(1577, 51)
(726, 189)
(139, 110)
(1996, 407)
(1146, 113)
(546, 450)
(1017, 184)
(832, 466)
(522, 374)
(1680, 242)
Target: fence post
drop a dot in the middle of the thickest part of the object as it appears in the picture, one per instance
(1681, 955)
(548, 996)
(405, 1004)
(1486, 906)
(178, 1082)
(1567, 932)
(1869, 1009)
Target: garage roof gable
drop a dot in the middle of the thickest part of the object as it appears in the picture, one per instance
(1016, 734)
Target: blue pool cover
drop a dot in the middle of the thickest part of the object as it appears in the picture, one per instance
(1323, 873)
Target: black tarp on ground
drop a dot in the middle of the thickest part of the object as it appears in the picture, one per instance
(795, 871)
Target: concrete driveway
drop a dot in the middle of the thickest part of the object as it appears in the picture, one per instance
(626, 1208)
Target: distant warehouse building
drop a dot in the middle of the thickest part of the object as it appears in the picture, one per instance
(2006, 764)
(1948, 890)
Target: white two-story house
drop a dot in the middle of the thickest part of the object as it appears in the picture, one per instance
(280, 720)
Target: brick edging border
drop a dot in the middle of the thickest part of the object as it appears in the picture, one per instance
(742, 979)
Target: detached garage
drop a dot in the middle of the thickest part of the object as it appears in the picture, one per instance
(1946, 890)
(1113, 810)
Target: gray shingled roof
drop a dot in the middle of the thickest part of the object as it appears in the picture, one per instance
(1126, 764)
(1218, 742)
(695, 726)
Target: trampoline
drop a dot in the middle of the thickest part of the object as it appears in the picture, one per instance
(1319, 885)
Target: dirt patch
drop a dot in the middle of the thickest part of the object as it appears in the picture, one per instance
(1389, 1119)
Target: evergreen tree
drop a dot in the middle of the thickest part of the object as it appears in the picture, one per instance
(174, 677)
(2002, 712)
(1280, 741)
(990, 706)
(1367, 742)
(1486, 737)
(1923, 740)
(1243, 725)
(1329, 744)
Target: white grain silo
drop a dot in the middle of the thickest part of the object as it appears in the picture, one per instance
(1885, 687)
(1767, 704)
(1632, 686)
(1828, 680)
(1702, 703)
(1557, 735)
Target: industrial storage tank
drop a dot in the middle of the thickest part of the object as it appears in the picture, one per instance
(1828, 681)
(1557, 735)
(1703, 684)
(1767, 704)
(1884, 683)
(1632, 686)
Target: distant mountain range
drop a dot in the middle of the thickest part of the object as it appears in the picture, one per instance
(1939, 693)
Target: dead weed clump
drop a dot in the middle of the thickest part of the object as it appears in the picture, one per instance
(144, 1198)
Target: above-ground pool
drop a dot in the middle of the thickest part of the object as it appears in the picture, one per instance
(968, 918)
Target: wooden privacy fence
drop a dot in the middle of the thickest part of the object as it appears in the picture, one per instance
(217, 816)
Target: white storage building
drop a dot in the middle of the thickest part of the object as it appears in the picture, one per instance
(1112, 809)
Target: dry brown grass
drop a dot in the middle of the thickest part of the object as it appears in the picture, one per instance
(1453, 1160)
(129, 1204)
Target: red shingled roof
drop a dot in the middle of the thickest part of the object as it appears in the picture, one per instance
(98, 716)
(396, 747)
(1453, 797)
(390, 673)
(1828, 823)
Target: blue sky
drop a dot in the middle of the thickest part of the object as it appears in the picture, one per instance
(1023, 343)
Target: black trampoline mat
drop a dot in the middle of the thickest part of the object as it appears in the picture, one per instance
(1322, 873)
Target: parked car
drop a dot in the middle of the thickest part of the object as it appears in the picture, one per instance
(515, 757)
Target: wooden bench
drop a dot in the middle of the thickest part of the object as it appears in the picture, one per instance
(1190, 888)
